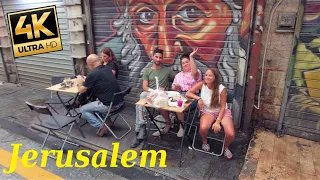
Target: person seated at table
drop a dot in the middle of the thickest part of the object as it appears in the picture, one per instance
(109, 59)
(149, 84)
(104, 83)
(213, 107)
(183, 81)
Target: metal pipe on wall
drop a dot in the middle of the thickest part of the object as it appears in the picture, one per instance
(241, 93)
(265, 51)
(253, 64)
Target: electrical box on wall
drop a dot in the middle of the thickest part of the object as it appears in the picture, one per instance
(286, 22)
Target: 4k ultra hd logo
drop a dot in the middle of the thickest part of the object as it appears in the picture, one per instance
(34, 31)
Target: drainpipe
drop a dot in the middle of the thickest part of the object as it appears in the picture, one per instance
(253, 64)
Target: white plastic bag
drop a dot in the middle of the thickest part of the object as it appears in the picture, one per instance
(174, 95)
(158, 98)
(161, 100)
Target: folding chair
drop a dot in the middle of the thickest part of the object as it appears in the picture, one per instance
(197, 113)
(54, 99)
(54, 123)
(211, 138)
(114, 110)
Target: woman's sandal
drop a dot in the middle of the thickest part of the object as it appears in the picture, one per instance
(228, 154)
(205, 147)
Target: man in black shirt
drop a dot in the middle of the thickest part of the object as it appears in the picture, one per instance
(104, 85)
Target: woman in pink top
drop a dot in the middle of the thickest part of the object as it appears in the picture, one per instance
(185, 80)
(189, 76)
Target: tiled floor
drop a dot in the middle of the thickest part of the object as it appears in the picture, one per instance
(287, 157)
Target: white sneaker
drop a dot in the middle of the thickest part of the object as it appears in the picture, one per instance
(180, 132)
(157, 133)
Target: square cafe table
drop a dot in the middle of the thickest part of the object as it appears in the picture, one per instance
(143, 102)
(72, 90)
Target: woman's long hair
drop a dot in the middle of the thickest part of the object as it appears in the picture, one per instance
(215, 88)
(109, 52)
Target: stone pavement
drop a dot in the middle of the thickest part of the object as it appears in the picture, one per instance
(286, 157)
(195, 165)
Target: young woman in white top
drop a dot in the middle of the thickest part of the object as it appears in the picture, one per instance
(213, 106)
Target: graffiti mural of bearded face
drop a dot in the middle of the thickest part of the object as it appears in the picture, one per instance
(177, 26)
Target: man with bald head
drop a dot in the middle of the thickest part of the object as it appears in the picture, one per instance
(103, 84)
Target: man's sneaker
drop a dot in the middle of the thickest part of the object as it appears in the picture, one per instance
(180, 132)
(109, 122)
(102, 130)
(136, 142)
(157, 133)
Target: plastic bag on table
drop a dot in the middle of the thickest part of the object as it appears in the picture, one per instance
(158, 98)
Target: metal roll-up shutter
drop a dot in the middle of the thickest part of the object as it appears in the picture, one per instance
(3, 34)
(302, 113)
(134, 29)
(3, 76)
(36, 70)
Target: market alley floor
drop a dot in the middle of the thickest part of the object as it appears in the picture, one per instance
(287, 157)
(195, 165)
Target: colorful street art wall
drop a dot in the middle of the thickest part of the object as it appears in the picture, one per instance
(302, 115)
(133, 28)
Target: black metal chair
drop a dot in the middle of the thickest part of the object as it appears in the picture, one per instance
(54, 99)
(54, 123)
(117, 97)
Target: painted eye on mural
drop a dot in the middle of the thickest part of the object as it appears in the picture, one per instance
(146, 16)
(189, 13)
